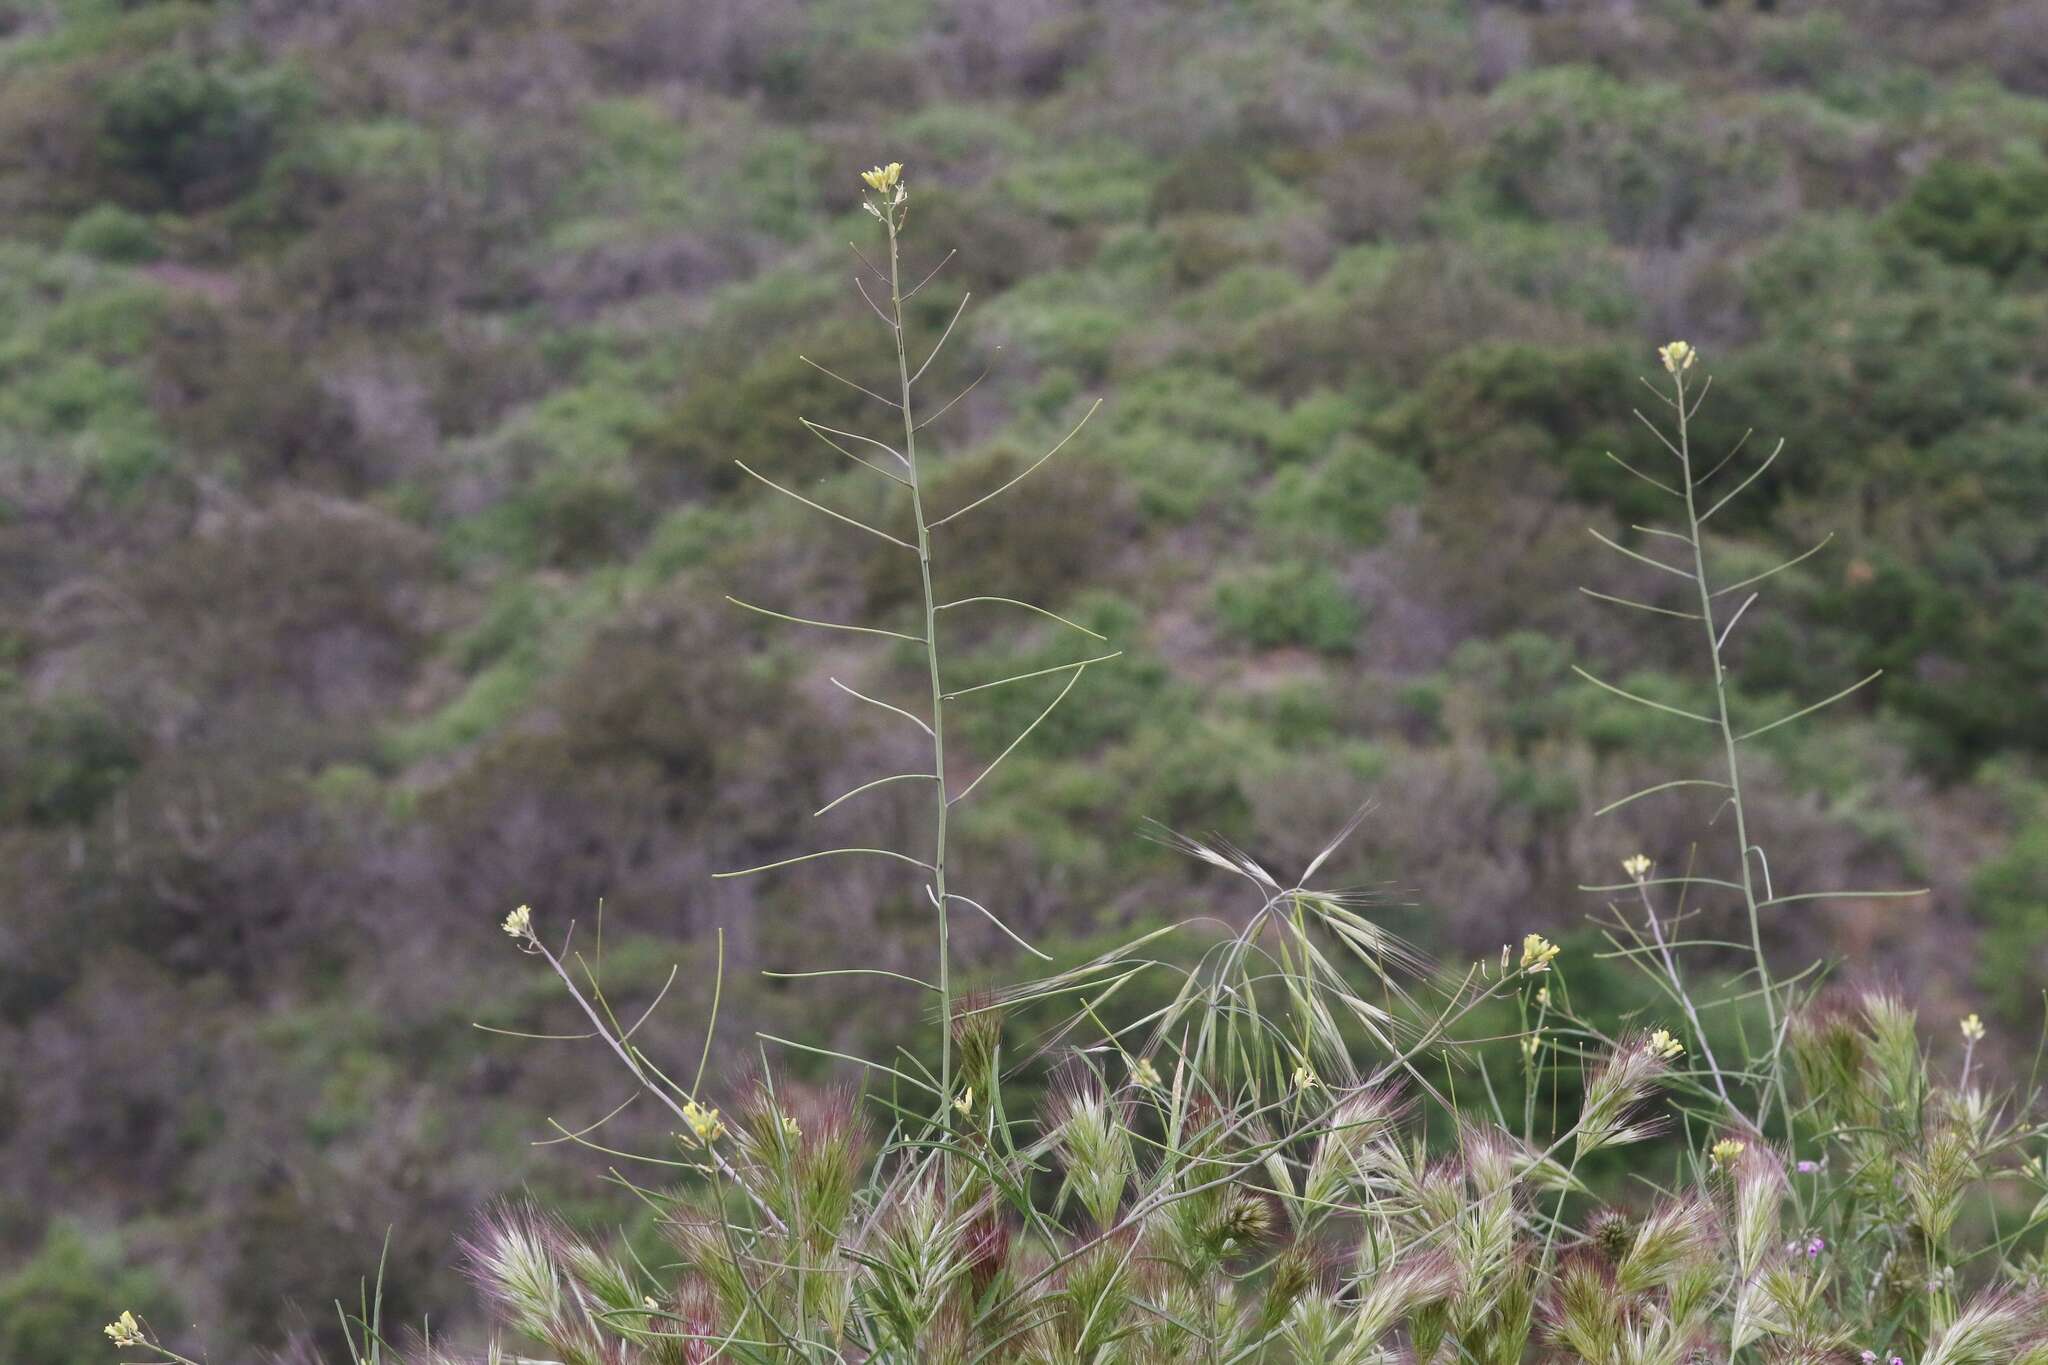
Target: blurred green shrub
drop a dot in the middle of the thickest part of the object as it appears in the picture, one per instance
(109, 232)
(1524, 685)
(1140, 689)
(61, 760)
(186, 136)
(1214, 180)
(1343, 501)
(1187, 439)
(750, 412)
(1311, 427)
(1296, 603)
(53, 1305)
(2010, 897)
(1488, 413)
(1576, 144)
(1991, 216)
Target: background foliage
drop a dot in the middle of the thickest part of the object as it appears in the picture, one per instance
(370, 375)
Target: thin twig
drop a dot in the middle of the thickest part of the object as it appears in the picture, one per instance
(1640, 606)
(940, 344)
(1809, 710)
(820, 507)
(886, 321)
(867, 786)
(884, 705)
(1034, 673)
(825, 853)
(1079, 669)
(1642, 701)
(1028, 470)
(931, 274)
(1643, 558)
(1758, 578)
(848, 382)
(828, 625)
(1011, 601)
(627, 1056)
(948, 406)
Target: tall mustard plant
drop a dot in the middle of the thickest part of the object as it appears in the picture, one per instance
(1301, 1158)
(1687, 485)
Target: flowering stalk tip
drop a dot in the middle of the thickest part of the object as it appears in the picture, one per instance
(1537, 953)
(126, 1331)
(705, 1125)
(519, 924)
(886, 181)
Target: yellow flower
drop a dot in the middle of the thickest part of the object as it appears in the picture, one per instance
(1145, 1074)
(704, 1122)
(1636, 866)
(1664, 1047)
(1537, 953)
(519, 923)
(965, 1104)
(1531, 1045)
(1543, 996)
(1725, 1151)
(1677, 356)
(1973, 1028)
(883, 178)
(126, 1331)
(1305, 1077)
(789, 1127)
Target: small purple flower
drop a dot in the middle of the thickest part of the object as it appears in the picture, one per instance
(1869, 1358)
(1808, 1168)
(1815, 1247)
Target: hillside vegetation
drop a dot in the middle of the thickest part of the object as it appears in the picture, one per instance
(371, 381)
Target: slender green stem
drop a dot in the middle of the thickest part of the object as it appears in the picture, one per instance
(1684, 998)
(1714, 643)
(931, 655)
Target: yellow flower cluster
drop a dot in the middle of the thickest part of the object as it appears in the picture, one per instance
(1305, 1077)
(1677, 357)
(964, 1106)
(1726, 1151)
(1538, 953)
(1973, 1028)
(1145, 1074)
(1664, 1047)
(126, 1331)
(887, 183)
(705, 1125)
(519, 923)
(1637, 866)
